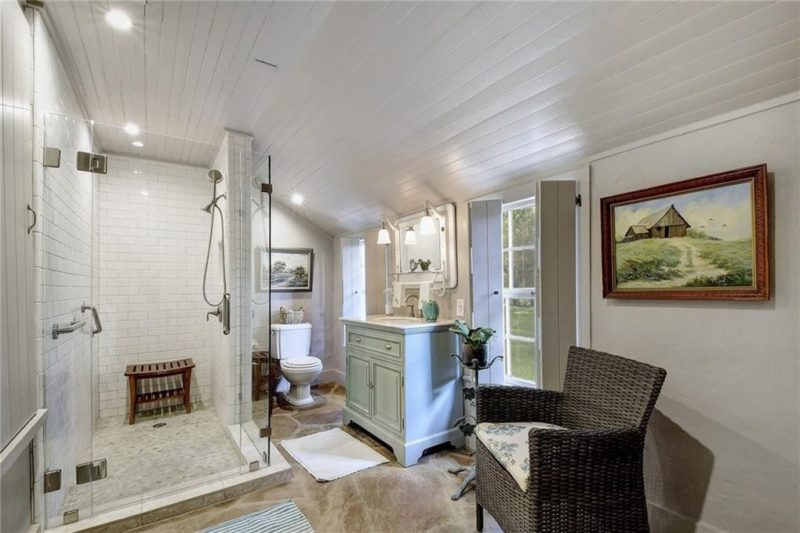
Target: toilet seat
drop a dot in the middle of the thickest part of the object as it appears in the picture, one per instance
(301, 362)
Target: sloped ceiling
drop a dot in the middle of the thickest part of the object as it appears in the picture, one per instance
(374, 107)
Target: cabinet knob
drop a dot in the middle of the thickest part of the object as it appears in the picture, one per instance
(358, 339)
(370, 385)
(387, 346)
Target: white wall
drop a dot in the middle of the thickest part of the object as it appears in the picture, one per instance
(18, 360)
(152, 246)
(290, 230)
(722, 451)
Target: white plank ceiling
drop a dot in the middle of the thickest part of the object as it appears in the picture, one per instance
(376, 106)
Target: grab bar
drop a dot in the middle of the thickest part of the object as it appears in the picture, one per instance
(58, 330)
(95, 317)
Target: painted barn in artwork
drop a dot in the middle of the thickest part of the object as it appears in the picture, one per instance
(663, 224)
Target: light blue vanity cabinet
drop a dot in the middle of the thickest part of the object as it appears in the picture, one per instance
(402, 385)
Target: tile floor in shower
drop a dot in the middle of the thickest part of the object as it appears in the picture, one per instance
(143, 460)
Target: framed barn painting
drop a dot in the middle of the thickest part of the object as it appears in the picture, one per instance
(292, 270)
(699, 239)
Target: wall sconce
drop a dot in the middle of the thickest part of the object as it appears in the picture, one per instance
(428, 225)
(383, 234)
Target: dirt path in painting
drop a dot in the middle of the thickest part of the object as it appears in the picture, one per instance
(691, 266)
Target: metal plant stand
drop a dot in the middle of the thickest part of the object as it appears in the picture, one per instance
(466, 427)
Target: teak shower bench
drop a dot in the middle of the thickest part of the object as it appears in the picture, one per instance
(135, 373)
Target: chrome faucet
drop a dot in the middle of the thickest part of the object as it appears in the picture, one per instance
(411, 306)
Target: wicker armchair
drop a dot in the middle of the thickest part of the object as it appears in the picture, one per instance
(586, 475)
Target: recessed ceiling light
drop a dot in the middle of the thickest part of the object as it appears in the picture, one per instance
(137, 144)
(297, 199)
(131, 128)
(119, 19)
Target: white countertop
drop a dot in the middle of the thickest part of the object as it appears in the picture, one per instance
(401, 323)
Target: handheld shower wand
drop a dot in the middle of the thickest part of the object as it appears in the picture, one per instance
(222, 310)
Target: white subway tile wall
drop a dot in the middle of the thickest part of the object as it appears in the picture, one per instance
(153, 238)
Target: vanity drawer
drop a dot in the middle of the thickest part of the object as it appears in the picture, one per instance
(386, 346)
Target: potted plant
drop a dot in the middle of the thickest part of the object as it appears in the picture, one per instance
(475, 341)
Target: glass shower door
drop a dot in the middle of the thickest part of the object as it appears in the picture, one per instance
(65, 262)
(133, 242)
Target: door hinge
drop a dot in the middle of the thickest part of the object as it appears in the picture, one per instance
(92, 163)
(52, 481)
(91, 471)
(51, 157)
(403, 423)
(578, 201)
(70, 517)
(402, 381)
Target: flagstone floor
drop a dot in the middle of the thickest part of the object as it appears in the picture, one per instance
(387, 498)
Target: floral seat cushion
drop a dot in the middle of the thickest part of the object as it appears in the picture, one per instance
(508, 443)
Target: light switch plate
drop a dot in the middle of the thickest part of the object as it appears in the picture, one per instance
(460, 307)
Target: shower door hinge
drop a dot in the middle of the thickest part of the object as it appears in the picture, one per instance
(91, 471)
(263, 433)
(70, 517)
(51, 157)
(266, 188)
(92, 163)
(52, 481)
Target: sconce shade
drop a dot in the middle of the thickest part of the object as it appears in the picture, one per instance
(427, 226)
(383, 236)
(411, 236)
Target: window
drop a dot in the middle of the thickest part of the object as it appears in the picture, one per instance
(519, 291)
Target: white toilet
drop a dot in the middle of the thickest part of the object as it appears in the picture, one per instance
(291, 344)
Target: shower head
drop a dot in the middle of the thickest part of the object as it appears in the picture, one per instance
(215, 175)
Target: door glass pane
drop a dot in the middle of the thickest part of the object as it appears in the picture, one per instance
(524, 226)
(524, 266)
(256, 301)
(505, 268)
(505, 229)
(522, 317)
(523, 360)
(66, 261)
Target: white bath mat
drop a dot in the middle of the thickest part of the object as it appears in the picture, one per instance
(332, 454)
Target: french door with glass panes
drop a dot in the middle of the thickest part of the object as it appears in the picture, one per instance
(522, 361)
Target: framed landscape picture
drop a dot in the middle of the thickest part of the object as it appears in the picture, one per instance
(292, 270)
(702, 239)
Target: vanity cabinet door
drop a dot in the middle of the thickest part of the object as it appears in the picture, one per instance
(358, 383)
(387, 402)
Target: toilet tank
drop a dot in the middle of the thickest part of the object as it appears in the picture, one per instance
(290, 340)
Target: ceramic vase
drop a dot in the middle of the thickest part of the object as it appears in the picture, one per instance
(430, 310)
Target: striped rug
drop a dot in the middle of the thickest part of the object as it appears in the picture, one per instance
(283, 518)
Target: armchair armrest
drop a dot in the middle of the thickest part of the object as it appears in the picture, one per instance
(497, 403)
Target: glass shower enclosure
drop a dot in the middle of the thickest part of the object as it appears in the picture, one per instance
(147, 394)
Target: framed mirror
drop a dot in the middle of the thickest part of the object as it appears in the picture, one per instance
(427, 254)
